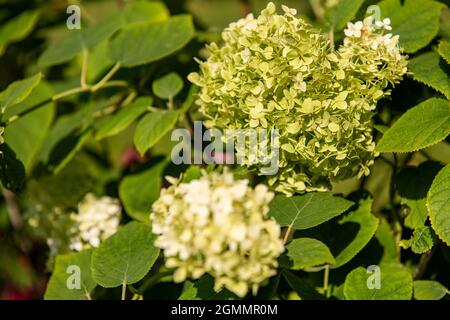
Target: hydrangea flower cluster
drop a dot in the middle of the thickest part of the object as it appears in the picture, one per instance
(277, 72)
(220, 226)
(97, 219)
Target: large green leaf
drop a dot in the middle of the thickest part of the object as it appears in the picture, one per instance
(144, 11)
(139, 191)
(438, 203)
(144, 43)
(354, 233)
(63, 283)
(416, 27)
(304, 253)
(444, 50)
(343, 12)
(125, 257)
(422, 126)
(17, 28)
(421, 241)
(18, 91)
(429, 290)
(396, 284)
(307, 211)
(412, 184)
(153, 127)
(121, 120)
(429, 69)
(78, 40)
(168, 86)
(26, 135)
(88, 38)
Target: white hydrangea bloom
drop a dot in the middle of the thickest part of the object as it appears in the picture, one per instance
(220, 226)
(97, 219)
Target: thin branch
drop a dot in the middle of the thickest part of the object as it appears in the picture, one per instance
(423, 263)
(106, 78)
(13, 209)
(84, 67)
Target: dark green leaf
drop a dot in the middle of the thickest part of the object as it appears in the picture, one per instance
(125, 257)
(307, 211)
(153, 127)
(63, 283)
(139, 191)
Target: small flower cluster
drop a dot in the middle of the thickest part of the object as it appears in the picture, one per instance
(220, 226)
(277, 72)
(97, 219)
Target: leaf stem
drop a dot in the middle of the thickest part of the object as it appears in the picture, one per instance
(287, 234)
(84, 66)
(106, 78)
(124, 290)
(423, 263)
(326, 276)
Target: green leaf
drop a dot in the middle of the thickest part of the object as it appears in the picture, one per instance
(307, 211)
(354, 233)
(78, 40)
(125, 257)
(64, 274)
(430, 70)
(343, 12)
(421, 241)
(386, 239)
(139, 191)
(12, 171)
(153, 127)
(203, 289)
(192, 173)
(412, 184)
(89, 38)
(144, 43)
(17, 28)
(27, 134)
(144, 11)
(301, 286)
(18, 91)
(416, 28)
(429, 290)
(304, 253)
(396, 284)
(438, 203)
(422, 126)
(121, 120)
(444, 50)
(168, 86)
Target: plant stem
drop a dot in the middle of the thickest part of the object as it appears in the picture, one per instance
(88, 296)
(124, 290)
(287, 234)
(13, 209)
(84, 69)
(423, 263)
(331, 36)
(69, 93)
(106, 78)
(326, 276)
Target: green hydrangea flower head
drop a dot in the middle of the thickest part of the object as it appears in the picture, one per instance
(220, 226)
(277, 72)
